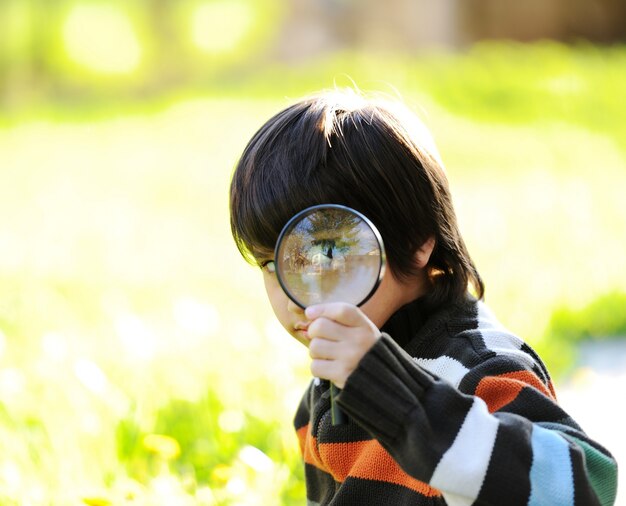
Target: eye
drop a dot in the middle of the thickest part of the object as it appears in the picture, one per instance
(268, 266)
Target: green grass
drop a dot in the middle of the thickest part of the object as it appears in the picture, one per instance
(126, 311)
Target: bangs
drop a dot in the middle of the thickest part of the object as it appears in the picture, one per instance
(257, 219)
(326, 150)
(277, 176)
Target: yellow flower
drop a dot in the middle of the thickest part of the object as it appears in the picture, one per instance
(164, 446)
(96, 501)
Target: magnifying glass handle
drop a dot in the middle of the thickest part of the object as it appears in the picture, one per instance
(338, 417)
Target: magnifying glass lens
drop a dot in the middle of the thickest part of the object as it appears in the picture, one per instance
(329, 253)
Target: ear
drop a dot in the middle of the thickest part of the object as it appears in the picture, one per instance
(422, 255)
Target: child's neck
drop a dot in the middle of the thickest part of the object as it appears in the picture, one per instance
(394, 293)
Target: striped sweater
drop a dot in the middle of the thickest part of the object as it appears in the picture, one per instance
(455, 410)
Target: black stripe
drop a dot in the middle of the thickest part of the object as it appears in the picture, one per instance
(583, 492)
(302, 415)
(358, 491)
(507, 481)
(502, 364)
(535, 407)
(540, 369)
(348, 432)
(320, 486)
(433, 429)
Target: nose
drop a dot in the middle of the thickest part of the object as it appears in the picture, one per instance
(292, 307)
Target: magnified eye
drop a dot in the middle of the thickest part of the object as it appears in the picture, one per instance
(329, 253)
(268, 266)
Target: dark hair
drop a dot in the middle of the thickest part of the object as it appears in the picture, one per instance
(368, 154)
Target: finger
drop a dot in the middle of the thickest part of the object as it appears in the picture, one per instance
(327, 369)
(323, 349)
(323, 328)
(340, 312)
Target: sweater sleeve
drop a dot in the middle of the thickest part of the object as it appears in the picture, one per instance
(498, 438)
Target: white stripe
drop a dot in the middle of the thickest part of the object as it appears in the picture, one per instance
(463, 467)
(486, 318)
(444, 367)
(498, 339)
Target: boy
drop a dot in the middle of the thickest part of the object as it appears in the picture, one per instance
(445, 406)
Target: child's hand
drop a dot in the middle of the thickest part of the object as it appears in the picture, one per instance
(341, 334)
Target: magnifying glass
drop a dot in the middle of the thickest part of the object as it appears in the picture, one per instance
(329, 253)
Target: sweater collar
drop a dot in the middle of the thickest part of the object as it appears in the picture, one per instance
(418, 322)
(406, 322)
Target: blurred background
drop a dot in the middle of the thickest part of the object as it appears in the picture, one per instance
(139, 360)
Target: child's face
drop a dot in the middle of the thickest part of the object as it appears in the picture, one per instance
(390, 296)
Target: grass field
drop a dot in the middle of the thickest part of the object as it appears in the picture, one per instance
(139, 360)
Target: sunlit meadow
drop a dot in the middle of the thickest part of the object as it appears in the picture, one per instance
(122, 291)
(139, 360)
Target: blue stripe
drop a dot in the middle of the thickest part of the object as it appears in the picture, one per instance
(551, 474)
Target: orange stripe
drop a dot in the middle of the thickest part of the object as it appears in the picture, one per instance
(360, 459)
(498, 391)
(308, 447)
(301, 433)
(552, 391)
(370, 461)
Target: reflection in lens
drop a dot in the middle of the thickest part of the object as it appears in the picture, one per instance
(329, 254)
